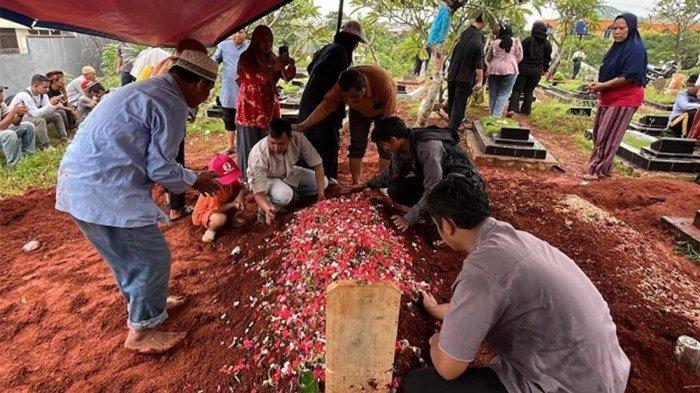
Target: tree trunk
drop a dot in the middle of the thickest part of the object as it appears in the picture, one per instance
(437, 60)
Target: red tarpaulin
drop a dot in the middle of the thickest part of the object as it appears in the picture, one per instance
(149, 22)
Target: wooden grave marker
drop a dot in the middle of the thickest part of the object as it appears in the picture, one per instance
(361, 325)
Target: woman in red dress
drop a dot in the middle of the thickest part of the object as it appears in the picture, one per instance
(258, 72)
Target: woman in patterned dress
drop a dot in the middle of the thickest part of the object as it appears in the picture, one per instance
(259, 69)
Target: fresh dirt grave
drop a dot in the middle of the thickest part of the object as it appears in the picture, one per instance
(62, 319)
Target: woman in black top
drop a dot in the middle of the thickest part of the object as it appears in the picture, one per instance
(537, 54)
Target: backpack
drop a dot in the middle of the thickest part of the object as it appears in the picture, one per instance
(455, 159)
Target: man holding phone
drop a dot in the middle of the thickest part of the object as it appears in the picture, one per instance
(42, 109)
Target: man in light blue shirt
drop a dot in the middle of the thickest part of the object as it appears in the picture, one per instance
(128, 143)
(229, 52)
(685, 108)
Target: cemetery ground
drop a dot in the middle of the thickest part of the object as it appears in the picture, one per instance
(62, 318)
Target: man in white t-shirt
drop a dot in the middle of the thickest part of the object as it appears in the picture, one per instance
(42, 109)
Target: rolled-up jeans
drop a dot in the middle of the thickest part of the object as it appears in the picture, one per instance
(140, 261)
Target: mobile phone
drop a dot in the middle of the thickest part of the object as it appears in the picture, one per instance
(284, 51)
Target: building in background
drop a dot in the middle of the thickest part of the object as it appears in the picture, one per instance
(25, 52)
(606, 15)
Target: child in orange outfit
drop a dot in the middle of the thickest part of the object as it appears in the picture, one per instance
(210, 212)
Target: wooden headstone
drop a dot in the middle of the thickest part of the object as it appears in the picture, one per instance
(361, 324)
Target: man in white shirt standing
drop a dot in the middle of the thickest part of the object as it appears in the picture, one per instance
(42, 109)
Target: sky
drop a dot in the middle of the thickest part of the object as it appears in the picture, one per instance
(638, 7)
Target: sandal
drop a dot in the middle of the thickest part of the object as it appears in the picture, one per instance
(186, 211)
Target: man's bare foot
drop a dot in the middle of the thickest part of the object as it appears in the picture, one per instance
(152, 341)
(443, 114)
(209, 236)
(173, 302)
(589, 177)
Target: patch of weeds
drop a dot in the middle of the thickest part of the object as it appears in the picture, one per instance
(205, 126)
(35, 171)
(650, 94)
(552, 116)
(492, 125)
(412, 110)
(687, 249)
(635, 141)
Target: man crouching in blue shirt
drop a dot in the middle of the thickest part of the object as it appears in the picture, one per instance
(128, 143)
(547, 323)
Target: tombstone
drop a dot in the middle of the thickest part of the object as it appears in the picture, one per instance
(659, 84)
(580, 111)
(517, 133)
(681, 146)
(401, 89)
(361, 325)
(216, 111)
(655, 121)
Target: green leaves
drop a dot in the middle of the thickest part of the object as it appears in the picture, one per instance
(308, 383)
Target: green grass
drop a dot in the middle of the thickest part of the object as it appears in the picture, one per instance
(205, 126)
(36, 171)
(552, 116)
(635, 141)
(658, 97)
(289, 88)
(572, 86)
(492, 125)
(687, 249)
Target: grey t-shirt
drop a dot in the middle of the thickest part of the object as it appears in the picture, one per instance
(538, 311)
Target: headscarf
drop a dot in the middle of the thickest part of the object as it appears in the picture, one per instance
(628, 58)
(254, 58)
(537, 41)
(505, 34)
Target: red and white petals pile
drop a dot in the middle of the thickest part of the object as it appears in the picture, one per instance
(336, 239)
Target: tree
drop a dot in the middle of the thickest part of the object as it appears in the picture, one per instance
(570, 12)
(419, 14)
(682, 14)
(300, 26)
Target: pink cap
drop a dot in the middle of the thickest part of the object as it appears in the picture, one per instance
(85, 84)
(226, 169)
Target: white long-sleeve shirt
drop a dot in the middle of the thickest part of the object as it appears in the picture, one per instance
(38, 105)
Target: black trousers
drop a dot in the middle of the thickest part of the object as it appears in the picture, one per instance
(525, 84)
(127, 78)
(406, 191)
(325, 138)
(474, 380)
(577, 68)
(457, 95)
(177, 201)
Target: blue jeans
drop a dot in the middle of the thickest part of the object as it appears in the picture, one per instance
(140, 261)
(500, 87)
(17, 141)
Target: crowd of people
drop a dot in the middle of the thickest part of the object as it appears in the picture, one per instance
(514, 291)
(48, 101)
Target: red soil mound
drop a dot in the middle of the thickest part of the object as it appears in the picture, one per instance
(62, 318)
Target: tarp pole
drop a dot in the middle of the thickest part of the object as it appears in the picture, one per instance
(340, 16)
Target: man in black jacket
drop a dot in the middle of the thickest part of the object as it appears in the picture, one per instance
(422, 157)
(465, 73)
(324, 70)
